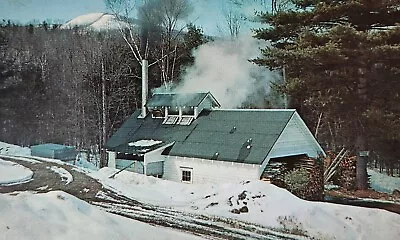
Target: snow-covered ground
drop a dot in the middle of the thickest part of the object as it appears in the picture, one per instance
(15, 150)
(383, 183)
(267, 205)
(255, 202)
(12, 173)
(58, 215)
(10, 149)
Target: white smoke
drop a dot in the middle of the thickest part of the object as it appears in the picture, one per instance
(222, 67)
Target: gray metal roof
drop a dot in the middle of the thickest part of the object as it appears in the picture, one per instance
(51, 146)
(226, 135)
(179, 100)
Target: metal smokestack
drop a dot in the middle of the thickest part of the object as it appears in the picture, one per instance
(145, 86)
(145, 65)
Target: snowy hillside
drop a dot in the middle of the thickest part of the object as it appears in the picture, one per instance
(10, 149)
(383, 183)
(260, 203)
(59, 215)
(95, 21)
(257, 204)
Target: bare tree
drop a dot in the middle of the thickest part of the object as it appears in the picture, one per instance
(233, 22)
(155, 20)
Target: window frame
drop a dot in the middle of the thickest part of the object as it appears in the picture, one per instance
(185, 120)
(171, 120)
(186, 170)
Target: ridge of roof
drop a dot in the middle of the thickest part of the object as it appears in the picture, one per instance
(178, 93)
(180, 99)
(255, 110)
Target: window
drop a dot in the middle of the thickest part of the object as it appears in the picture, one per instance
(185, 120)
(187, 175)
(171, 120)
(188, 111)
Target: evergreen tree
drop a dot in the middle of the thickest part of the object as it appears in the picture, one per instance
(341, 59)
(193, 39)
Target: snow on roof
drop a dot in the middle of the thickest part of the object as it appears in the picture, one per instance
(144, 143)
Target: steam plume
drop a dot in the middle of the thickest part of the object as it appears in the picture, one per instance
(223, 68)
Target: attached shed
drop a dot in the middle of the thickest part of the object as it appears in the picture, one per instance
(209, 144)
(55, 151)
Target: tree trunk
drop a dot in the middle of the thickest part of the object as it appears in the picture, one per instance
(361, 167)
(103, 160)
(361, 143)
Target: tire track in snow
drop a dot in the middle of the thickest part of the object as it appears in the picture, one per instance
(201, 225)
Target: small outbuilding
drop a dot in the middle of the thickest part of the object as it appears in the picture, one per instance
(55, 151)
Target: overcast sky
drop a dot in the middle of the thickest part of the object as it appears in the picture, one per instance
(207, 13)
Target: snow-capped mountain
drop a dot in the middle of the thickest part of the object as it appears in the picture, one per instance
(96, 21)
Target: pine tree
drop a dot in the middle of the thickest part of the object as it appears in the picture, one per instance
(342, 59)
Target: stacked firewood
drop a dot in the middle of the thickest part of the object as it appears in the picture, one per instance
(340, 169)
(276, 172)
(347, 173)
(315, 186)
(333, 165)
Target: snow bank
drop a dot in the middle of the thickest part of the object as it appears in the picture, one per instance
(382, 182)
(258, 202)
(83, 163)
(10, 149)
(58, 215)
(13, 173)
(64, 174)
(150, 189)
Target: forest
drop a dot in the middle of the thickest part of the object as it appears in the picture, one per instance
(52, 83)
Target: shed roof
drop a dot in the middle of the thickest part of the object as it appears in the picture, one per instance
(51, 146)
(180, 100)
(244, 136)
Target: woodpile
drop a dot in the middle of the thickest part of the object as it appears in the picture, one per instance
(347, 173)
(340, 169)
(278, 169)
(274, 173)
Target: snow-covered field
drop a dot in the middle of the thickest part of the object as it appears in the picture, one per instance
(58, 215)
(256, 202)
(383, 183)
(267, 205)
(10, 149)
